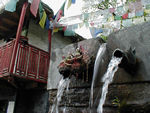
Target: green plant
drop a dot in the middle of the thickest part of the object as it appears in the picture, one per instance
(116, 101)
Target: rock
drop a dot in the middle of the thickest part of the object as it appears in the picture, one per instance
(87, 45)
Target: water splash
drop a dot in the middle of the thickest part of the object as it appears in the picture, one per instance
(63, 84)
(99, 55)
(107, 79)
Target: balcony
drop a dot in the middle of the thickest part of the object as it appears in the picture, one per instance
(31, 63)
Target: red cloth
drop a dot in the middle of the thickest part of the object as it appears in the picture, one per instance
(34, 7)
(125, 16)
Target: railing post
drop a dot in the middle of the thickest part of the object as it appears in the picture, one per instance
(21, 21)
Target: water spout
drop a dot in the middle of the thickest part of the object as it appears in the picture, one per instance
(129, 60)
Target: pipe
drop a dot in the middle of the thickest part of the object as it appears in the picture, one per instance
(129, 60)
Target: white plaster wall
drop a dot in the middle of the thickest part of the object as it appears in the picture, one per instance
(39, 37)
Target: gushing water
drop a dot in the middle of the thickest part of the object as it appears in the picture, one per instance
(98, 59)
(107, 79)
(63, 84)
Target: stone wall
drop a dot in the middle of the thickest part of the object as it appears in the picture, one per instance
(77, 99)
(131, 91)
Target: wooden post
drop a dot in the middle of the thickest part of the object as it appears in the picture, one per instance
(50, 41)
(20, 25)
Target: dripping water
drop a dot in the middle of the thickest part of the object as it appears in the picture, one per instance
(107, 79)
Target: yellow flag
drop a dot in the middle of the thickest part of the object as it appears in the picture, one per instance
(147, 11)
(43, 19)
(55, 30)
(69, 3)
(110, 19)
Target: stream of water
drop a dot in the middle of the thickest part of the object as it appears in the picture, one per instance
(63, 84)
(107, 79)
(98, 59)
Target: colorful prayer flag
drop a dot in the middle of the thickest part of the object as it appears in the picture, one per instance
(64, 28)
(41, 10)
(112, 10)
(131, 15)
(69, 3)
(125, 16)
(110, 19)
(55, 30)
(43, 19)
(73, 1)
(148, 6)
(147, 11)
(138, 6)
(11, 5)
(95, 31)
(34, 7)
(60, 13)
(127, 23)
(117, 17)
(139, 13)
(47, 23)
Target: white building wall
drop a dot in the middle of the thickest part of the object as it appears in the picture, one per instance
(39, 37)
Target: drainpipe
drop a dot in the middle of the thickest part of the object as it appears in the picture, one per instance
(20, 25)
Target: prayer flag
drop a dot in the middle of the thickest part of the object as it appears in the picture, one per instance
(127, 23)
(95, 31)
(34, 7)
(138, 6)
(110, 19)
(148, 6)
(125, 16)
(139, 13)
(73, 1)
(41, 10)
(131, 15)
(69, 3)
(69, 31)
(11, 5)
(60, 13)
(112, 10)
(117, 17)
(43, 19)
(64, 29)
(55, 30)
(147, 11)
(47, 23)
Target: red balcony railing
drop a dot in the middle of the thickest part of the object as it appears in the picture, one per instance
(30, 62)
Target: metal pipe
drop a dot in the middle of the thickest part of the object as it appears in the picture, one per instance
(21, 21)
